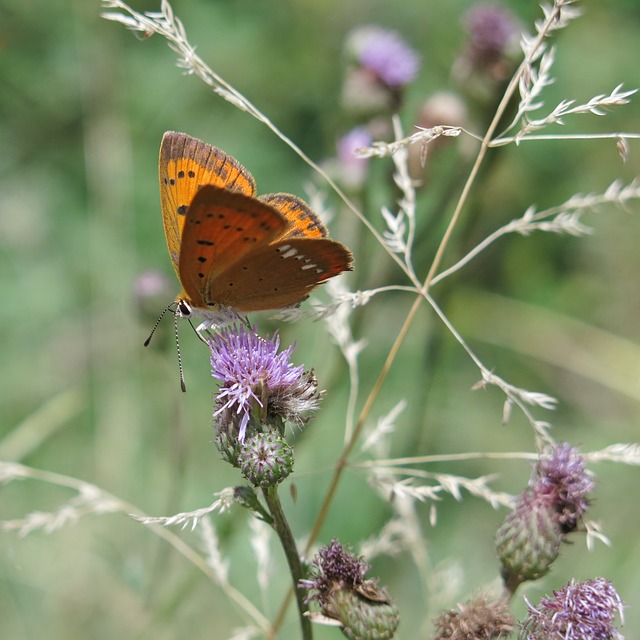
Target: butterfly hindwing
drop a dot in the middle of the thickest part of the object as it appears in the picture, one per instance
(222, 229)
(280, 274)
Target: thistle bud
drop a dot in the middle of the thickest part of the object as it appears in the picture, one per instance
(361, 617)
(265, 459)
(529, 540)
(363, 610)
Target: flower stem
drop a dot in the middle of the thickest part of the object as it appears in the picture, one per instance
(281, 527)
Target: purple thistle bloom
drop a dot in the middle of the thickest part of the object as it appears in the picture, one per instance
(562, 477)
(353, 168)
(360, 606)
(492, 30)
(347, 146)
(251, 371)
(333, 565)
(579, 611)
(386, 55)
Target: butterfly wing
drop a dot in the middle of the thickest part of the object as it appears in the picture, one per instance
(303, 221)
(185, 165)
(221, 229)
(280, 274)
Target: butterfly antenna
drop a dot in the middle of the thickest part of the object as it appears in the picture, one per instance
(183, 386)
(155, 326)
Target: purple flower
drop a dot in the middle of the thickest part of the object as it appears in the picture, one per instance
(386, 55)
(528, 541)
(353, 168)
(492, 30)
(579, 611)
(255, 376)
(562, 477)
(333, 565)
(360, 606)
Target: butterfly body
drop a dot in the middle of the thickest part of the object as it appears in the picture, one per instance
(232, 251)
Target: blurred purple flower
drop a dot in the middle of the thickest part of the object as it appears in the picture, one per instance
(353, 168)
(562, 477)
(492, 30)
(386, 55)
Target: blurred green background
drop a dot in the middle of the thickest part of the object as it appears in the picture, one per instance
(83, 107)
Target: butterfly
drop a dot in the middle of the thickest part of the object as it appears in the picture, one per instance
(235, 252)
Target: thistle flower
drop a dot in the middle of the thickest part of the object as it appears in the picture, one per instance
(481, 619)
(363, 610)
(265, 459)
(352, 168)
(579, 611)
(385, 54)
(529, 539)
(491, 50)
(562, 476)
(492, 32)
(383, 64)
(256, 381)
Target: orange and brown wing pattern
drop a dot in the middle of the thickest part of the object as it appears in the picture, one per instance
(303, 221)
(222, 228)
(280, 274)
(187, 164)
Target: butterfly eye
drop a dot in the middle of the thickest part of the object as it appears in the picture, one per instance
(183, 309)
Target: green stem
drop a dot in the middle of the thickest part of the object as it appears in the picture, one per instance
(281, 527)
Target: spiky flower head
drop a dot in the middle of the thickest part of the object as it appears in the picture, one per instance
(256, 382)
(265, 459)
(381, 65)
(363, 609)
(385, 54)
(491, 51)
(492, 32)
(529, 539)
(579, 611)
(562, 476)
(480, 619)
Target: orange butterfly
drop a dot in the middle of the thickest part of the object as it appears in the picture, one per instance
(234, 252)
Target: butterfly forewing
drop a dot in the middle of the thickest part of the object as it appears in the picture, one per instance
(280, 274)
(222, 230)
(186, 164)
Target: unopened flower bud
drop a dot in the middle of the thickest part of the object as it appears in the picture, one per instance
(266, 459)
(528, 540)
(362, 618)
